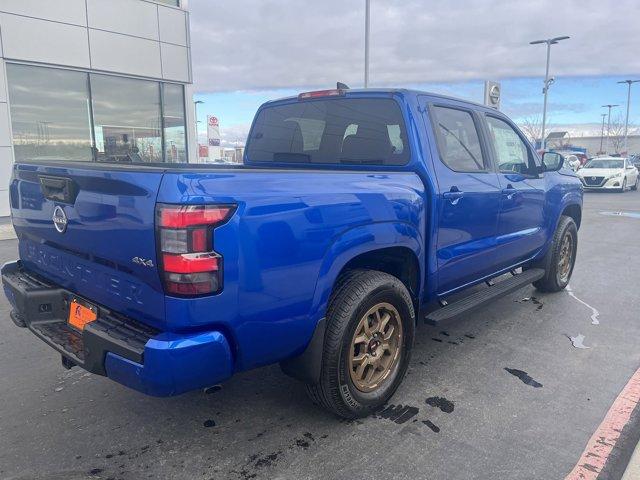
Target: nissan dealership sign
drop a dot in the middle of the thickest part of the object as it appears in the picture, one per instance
(492, 94)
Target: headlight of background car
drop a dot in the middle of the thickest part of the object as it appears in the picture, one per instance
(616, 175)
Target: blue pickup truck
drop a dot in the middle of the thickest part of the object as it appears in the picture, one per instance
(357, 215)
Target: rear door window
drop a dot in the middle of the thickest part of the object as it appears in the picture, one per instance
(350, 131)
(458, 139)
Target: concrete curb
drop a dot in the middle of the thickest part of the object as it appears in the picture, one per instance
(7, 232)
(633, 469)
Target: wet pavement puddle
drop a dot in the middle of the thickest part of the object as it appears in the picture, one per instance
(524, 377)
(398, 413)
(442, 403)
(431, 425)
(533, 300)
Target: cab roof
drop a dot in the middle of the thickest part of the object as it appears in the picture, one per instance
(405, 92)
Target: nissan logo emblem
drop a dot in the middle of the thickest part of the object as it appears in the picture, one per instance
(494, 94)
(59, 219)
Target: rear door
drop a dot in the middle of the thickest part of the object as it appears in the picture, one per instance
(521, 228)
(91, 230)
(468, 197)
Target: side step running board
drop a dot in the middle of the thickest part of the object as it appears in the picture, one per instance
(475, 300)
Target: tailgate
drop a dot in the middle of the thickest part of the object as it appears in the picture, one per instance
(91, 230)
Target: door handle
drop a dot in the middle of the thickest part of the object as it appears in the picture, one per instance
(510, 192)
(454, 195)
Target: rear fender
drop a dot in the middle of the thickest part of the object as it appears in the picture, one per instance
(348, 245)
(359, 240)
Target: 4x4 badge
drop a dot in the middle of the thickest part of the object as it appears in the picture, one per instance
(142, 262)
(59, 219)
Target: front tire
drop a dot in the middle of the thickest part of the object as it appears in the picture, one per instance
(624, 186)
(635, 185)
(367, 345)
(561, 257)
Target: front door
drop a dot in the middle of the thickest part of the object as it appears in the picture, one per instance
(468, 197)
(521, 228)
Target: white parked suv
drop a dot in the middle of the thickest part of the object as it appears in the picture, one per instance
(609, 173)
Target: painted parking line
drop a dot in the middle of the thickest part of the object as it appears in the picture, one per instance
(604, 440)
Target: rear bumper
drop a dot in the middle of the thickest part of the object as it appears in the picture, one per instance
(131, 353)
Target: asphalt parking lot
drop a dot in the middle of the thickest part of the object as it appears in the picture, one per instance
(502, 394)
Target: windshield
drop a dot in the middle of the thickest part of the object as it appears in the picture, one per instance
(352, 131)
(609, 163)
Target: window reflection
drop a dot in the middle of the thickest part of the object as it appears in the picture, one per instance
(174, 122)
(49, 113)
(51, 117)
(126, 115)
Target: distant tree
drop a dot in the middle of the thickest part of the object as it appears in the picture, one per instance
(565, 141)
(532, 127)
(615, 136)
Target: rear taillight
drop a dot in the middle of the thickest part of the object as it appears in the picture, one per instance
(189, 264)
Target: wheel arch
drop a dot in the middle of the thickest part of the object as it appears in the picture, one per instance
(380, 246)
(392, 247)
(573, 210)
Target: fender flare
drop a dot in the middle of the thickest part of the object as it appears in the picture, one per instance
(353, 242)
(567, 200)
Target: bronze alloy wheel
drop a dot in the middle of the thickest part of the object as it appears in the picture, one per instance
(566, 257)
(376, 347)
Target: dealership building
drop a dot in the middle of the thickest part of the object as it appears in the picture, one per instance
(94, 80)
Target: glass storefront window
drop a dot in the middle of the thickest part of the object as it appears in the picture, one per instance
(174, 123)
(49, 113)
(134, 121)
(126, 118)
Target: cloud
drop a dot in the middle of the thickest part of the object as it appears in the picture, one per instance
(267, 44)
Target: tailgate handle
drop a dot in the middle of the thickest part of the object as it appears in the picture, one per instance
(59, 189)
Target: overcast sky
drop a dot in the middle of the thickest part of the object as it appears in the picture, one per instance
(262, 48)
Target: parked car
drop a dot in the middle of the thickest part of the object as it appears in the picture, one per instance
(358, 214)
(573, 162)
(635, 161)
(609, 173)
(582, 157)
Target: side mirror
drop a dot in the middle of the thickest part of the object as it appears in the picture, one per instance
(552, 162)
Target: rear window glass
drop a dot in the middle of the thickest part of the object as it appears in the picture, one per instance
(352, 131)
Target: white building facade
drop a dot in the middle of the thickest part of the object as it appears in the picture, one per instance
(94, 80)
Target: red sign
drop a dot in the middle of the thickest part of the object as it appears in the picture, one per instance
(203, 151)
(213, 121)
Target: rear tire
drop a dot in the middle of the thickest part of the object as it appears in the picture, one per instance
(561, 257)
(362, 302)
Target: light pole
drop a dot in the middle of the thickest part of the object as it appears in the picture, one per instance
(547, 81)
(367, 17)
(609, 106)
(626, 122)
(602, 131)
(195, 109)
